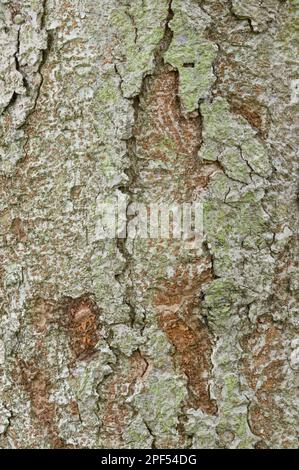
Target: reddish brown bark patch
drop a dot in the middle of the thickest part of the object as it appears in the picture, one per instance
(78, 321)
(167, 141)
(189, 336)
(36, 375)
(80, 318)
(263, 369)
(35, 380)
(37, 384)
(248, 109)
(163, 132)
(117, 413)
(161, 107)
(18, 230)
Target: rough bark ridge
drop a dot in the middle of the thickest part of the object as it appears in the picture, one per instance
(133, 343)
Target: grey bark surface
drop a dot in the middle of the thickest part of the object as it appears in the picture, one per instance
(138, 343)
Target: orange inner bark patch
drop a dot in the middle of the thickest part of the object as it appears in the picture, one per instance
(117, 413)
(81, 320)
(164, 133)
(263, 369)
(189, 336)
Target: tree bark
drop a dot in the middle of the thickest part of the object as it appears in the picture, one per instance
(139, 342)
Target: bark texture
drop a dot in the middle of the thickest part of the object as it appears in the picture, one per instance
(122, 343)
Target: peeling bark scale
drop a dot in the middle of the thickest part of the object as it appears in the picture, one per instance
(136, 342)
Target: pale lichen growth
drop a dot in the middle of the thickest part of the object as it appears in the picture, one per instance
(190, 53)
(138, 343)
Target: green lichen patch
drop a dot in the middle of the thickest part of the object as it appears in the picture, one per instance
(190, 53)
(139, 29)
(233, 142)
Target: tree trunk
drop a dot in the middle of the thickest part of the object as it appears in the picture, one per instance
(147, 341)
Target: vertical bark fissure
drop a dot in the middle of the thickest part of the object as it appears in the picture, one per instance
(131, 148)
(163, 71)
(132, 173)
